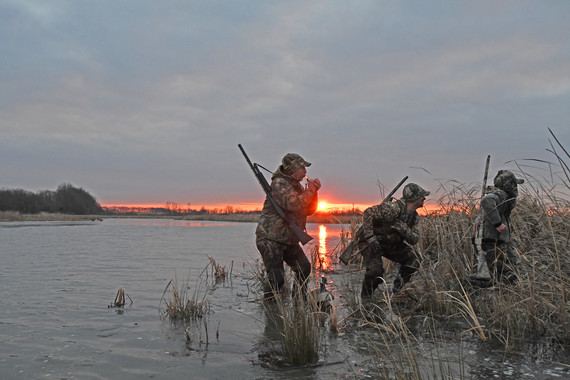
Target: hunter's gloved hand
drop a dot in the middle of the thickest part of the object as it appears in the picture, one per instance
(373, 244)
(401, 228)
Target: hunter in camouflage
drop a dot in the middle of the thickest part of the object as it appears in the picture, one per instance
(389, 230)
(275, 241)
(496, 208)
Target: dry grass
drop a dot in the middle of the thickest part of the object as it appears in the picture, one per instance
(300, 322)
(219, 272)
(536, 308)
(182, 305)
(537, 304)
(121, 299)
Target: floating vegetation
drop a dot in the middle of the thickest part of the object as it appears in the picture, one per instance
(120, 299)
(218, 271)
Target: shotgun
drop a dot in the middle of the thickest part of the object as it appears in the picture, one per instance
(347, 252)
(303, 237)
(482, 269)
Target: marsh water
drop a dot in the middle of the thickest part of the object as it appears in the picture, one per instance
(58, 280)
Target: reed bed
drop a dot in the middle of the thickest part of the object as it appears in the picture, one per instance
(535, 309)
(536, 306)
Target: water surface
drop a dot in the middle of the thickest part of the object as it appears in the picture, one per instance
(58, 279)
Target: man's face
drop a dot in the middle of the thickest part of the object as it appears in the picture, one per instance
(299, 174)
(417, 203)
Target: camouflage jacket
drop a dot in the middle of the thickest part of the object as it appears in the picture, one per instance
(391, 223)
(297, 203)
(496, 208)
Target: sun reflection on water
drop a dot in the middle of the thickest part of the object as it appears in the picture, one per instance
(325, 261)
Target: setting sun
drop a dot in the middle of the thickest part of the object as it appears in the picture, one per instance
(323, 206)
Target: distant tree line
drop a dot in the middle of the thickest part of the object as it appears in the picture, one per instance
(67, 199)
(174, 209)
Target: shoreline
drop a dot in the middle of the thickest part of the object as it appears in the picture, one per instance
(12, 216)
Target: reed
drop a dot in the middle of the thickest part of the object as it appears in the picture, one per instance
(346, 236)
(218, 271)
(397, 352)
(179, 304)
(298, 323)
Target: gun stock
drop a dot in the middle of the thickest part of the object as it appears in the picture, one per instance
(346, 254)
(303, 237)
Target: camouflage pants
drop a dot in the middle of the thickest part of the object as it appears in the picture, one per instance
(501, 261)
(401, 253)
(273, 255)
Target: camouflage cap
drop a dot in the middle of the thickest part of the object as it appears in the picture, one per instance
(413, 192)
(291, 162)
(506, 180)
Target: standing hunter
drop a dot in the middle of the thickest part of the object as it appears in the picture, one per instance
(389, 230)
(275, 240)
(496, 209)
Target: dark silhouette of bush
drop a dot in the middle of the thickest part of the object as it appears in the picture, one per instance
(66, 199)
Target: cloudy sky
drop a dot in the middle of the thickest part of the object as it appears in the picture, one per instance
(146, 101)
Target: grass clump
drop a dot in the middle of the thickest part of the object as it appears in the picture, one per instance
(295, 325)
(179, 304)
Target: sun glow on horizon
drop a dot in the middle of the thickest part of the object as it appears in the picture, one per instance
(323, 206)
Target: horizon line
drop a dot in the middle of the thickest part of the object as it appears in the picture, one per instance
(240, 206)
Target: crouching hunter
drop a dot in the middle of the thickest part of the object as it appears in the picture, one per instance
(390, 229)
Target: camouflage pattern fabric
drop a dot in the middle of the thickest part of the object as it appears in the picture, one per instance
(276, 242)
(292, 162)
(297, 203)
(506, 181)
(391, 222)
(401, 253)
(395, 228)
(501, 261)
(413, 192)
(273, 255)
(497, 207)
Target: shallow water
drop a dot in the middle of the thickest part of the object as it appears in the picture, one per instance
(58, 279)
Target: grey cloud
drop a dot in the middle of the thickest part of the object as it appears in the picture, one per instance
(149, 100)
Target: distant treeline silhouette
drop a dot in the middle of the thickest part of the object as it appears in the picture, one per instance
(67, 199)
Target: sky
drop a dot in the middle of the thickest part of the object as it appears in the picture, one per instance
(145, 102)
